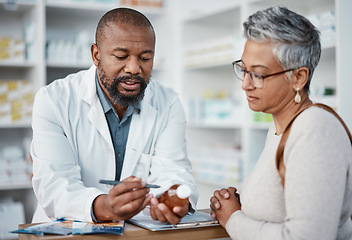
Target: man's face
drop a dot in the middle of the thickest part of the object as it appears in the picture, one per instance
(124, 61)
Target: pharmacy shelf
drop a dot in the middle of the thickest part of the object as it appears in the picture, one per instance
(67, 66)
(301, 6)
(211, 64)
(15, 125)
(79, 6)
(95, 7)
(24, 64)
(15, 186)
(214, 13)
(19, 6)
(214, 125)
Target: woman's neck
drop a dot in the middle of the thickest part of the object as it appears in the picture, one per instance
(284, 117)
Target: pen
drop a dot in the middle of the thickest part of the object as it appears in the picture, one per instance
(111, 182)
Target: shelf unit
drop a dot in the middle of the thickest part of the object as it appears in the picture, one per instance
(205, 66)
(59, 22)
(15, 20)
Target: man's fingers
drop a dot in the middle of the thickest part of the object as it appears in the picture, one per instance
(133, 207)
(131, 178)
(170, 216)
(146, 201)
(153, 205)
(159, 214)
(121, 199)
(126, 186)
(181, 211)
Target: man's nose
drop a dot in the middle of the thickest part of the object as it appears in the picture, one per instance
(133, 66)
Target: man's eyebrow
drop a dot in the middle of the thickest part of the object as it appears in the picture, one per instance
(148, 51)
(126, 50)
(120, 49)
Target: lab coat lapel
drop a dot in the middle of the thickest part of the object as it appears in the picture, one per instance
(139, 137)
(96, 116)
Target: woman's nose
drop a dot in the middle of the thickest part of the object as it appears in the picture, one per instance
(247, 82)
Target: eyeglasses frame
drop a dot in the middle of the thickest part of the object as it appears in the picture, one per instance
(251, 72)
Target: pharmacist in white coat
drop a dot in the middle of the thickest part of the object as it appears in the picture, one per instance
(110, 122)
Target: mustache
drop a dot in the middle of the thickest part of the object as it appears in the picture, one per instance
(133, 78)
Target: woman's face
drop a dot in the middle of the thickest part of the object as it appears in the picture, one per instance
(277, 92)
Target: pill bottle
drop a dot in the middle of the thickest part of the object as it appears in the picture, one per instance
(177, 195)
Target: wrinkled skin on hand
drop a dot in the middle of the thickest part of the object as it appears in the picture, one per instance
(224, 203)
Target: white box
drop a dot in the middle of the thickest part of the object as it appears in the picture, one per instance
(11, 215)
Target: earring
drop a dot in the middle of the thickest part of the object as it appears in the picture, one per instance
(297, 97)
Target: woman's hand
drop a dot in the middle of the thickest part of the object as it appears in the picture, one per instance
(224, 203)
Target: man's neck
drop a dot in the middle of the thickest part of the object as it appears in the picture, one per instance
(120, 110)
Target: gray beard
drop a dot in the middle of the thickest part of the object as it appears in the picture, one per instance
(117, 97)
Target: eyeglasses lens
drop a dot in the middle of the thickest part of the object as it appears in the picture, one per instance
(238, 71)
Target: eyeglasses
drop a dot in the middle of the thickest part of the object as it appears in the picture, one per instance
(257, 79)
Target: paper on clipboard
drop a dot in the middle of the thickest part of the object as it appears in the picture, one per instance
(197, 219)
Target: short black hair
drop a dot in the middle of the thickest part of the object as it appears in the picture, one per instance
(121, 15)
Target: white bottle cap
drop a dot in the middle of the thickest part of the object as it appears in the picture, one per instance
(183, 191)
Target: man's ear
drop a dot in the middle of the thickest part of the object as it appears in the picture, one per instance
(95, 54)
(300, 77)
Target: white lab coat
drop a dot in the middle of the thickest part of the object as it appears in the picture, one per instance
(72, 148)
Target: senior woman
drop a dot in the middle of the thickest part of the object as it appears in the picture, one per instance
(315, 201)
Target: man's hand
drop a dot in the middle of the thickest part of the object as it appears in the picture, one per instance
(160, 212)
(224, 203)
(123, 201)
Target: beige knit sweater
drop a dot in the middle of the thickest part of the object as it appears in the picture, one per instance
(316, 203)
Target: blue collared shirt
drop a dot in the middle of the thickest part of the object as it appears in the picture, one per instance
(119, 129)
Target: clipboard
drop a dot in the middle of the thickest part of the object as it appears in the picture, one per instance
(192, 220)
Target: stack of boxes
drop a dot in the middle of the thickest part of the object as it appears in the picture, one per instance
(11, 49)
(16, 102)
(14, 166)
(17, 49)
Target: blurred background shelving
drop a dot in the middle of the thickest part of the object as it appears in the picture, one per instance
(196, 42)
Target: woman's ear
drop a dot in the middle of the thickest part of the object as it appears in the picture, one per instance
(300, 77)
(95, 54)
